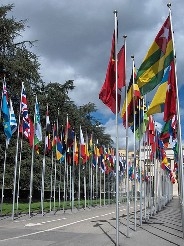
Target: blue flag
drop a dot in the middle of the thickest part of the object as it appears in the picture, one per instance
(6, 114)
(13, 122)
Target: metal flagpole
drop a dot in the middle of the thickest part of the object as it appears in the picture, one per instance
(31, 177)
(84, 172)
(104, 184)
(18, 181)
(96, 171)
(57, 130)
(127, 171)
(79, 169)
(70, 183)
(43, 174)
(64, 185)
(16, 158)
(100, 184)
(55, 184)
(59, 195)
(4, 168)
(54, 188)
(180, 151)
(117, 144)
(79, 180)
(91, 179)
(42, 188)
(65, 172)
(140, 162)
(73, 170)
(135, 188)
(51, 182)
(145, 184)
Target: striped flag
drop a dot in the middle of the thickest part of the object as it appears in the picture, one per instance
(159, 57)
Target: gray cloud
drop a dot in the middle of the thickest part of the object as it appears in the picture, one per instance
(74, 38)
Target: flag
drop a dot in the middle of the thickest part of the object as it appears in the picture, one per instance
(159, 57)
(108, 91)
(141, 119)
(158, 101)
(6, 114)
(59, 149)
(76, 151)
(54, 137)
(133, 94)
(121, 67)
(82, 146)
(171, 97)
(13, 122)
(150, 130)
(166, 133)
(37, 127)
(71, 134)
(27, 125)
(48, 133)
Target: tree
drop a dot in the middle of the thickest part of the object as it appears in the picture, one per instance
(19, 64)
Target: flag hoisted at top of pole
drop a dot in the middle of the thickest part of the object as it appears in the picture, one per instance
(159, 57)
(108, 91)
(27, 124)
(48, 133)
(13, 121)
(132, 96)
(37, 126)
(6, 114)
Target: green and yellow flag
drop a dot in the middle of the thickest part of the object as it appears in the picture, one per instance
(159, 57)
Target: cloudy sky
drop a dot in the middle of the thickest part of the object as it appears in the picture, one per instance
(74, 42)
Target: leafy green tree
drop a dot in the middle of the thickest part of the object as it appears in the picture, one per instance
(19, 64)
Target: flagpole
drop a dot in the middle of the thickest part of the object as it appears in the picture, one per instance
(96, 171)
(31, 177)
(126, 126)
(117, 144)
(4, 168)
(51, 179)
(18, 181)
(16, 157)
(179, 128)
(145, 185)
(100, 184)
(73, 171)
(54, 159)
(79, 183)
(135, 188)
(59, 198)
(104, 183)
(140, 164)
(43, 173)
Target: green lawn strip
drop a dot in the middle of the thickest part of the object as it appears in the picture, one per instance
(23, 207)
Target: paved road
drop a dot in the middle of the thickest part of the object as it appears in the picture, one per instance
(92, 227)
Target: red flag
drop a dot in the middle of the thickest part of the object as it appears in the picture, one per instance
(121, 67)
(108, 90)
(170, 102)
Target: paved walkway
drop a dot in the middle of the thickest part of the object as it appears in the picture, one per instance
(164, 228)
